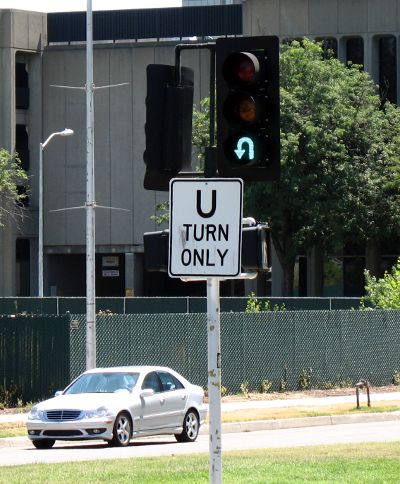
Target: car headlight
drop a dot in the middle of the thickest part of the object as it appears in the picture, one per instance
(35, 414)
(99, 412)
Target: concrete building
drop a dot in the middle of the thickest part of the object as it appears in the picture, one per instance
(39, 51)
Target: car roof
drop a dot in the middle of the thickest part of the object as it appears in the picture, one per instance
(130, 369)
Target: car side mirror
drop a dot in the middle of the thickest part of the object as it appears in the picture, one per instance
(147, 392)
(58, 393)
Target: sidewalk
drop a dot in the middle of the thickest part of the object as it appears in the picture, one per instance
(309, 402)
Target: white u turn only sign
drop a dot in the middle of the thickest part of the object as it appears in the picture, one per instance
(205, 236)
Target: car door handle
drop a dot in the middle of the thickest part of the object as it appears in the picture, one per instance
(183, 397)
(162, 401)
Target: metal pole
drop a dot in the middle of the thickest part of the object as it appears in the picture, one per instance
(40, 229)
(42, 146)
(214, 378)
(90, 203)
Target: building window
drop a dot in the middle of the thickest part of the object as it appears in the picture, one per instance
(22, 255)
(24, 202)
(388, 68)
(21, 86)
(329, 46)
(355, 51)
(22, 145)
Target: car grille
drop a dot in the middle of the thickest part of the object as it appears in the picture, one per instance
(63, 415)
(62, 433)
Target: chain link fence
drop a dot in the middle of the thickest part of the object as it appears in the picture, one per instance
(287, 350)
(282, 350)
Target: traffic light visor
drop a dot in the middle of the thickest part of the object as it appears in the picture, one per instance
(241, 68)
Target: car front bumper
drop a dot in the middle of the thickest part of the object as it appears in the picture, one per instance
(84, 429)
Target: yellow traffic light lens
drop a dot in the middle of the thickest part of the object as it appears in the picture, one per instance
(241, 68)
(243, 108)
(247, 110)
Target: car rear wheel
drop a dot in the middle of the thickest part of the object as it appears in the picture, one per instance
(191, 427)
(43, 444)
(122, 431)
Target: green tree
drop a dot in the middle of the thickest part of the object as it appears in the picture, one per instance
(11, 176)
(383, 293)
(338, 150)
(339, 155)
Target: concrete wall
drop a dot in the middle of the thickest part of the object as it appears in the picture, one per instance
(20, 33)
(291, 18)
(119, 141)
(369, 19)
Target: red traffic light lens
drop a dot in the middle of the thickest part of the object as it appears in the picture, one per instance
(241, 68)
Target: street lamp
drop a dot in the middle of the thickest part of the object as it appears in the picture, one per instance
(66, 132)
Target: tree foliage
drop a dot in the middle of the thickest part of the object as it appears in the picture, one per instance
(383, 293)
(340, 153)
(338, 150)
(11, 176)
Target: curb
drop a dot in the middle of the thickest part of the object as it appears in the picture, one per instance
(289, 423)
(255, 425)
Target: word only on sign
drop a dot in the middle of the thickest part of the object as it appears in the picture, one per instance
(205, 233)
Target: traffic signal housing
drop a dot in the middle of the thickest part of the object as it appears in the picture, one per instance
(248, 127)
(256, 248)
(168, 128)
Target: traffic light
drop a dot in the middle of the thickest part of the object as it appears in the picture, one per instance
(256, 248)
(168, 128)
(248, 129)
(156, 251)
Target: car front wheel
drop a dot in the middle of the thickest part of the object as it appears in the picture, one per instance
(191, 427)
(122, 431)
(43, 444)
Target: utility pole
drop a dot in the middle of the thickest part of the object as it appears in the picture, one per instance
(90, 202)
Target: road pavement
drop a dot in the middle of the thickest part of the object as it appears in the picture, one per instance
(307, 431)
(167, 446)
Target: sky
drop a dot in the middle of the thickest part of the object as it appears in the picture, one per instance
(80, 5)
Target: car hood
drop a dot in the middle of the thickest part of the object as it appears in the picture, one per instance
(84, 401)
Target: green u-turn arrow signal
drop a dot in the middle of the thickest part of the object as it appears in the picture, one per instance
(240, 151)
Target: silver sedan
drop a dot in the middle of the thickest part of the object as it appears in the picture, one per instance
(117, 404)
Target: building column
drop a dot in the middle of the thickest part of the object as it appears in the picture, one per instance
(315, 272)
(133, 274)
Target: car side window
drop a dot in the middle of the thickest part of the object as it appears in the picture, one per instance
(169, 382)
(152, 382)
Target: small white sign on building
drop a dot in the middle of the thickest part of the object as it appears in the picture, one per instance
(205, 236)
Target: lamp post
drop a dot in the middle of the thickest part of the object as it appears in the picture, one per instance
(66, 132)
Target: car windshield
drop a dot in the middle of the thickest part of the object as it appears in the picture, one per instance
(106, 382)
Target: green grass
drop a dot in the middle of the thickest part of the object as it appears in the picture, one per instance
(364, 464)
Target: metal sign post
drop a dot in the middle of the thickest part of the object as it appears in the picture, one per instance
(205, 243)
(214, 379)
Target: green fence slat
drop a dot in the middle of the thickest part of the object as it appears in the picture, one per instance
(153, 305)
(35, 356)
(110, 304)
(73, 305)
